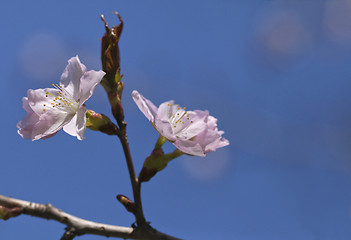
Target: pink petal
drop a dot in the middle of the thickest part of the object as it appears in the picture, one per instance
(145, 106)
(26, 125)
(70, 78)
(195, 127)
(212, 123)
(88, 83)
(211, 138)
(190, 147)
(165, 129)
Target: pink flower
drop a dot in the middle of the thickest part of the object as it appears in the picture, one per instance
(51, 109)
(192, 132)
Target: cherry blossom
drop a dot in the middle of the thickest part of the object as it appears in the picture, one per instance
(51, 109)
(192, 132)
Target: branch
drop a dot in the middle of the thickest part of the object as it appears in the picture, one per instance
(70, 234)
(77, 226)
(139, 215)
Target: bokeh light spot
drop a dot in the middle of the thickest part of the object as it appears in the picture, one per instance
(207, 168)
(42, 56)
(337, 21)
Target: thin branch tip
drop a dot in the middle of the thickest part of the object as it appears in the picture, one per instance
(103, 19)
(119, 16)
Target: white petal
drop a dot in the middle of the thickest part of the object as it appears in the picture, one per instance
(145, 106)
(49, 123)
(76, 127)
(26, 125)
(25, 105)
(165, 110)
(88, 82)
(70, 78)
(37, 99)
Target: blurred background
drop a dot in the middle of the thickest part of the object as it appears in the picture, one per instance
(277, 75)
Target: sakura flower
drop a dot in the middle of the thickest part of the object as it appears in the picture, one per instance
(51, 109)
(192, 132)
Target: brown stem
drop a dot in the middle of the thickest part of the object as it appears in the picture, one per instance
(139, 215)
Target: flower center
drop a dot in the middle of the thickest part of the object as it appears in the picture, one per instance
(63, 100)
(179, 120)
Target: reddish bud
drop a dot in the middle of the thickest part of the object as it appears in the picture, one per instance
(126, 202)
(110, 54)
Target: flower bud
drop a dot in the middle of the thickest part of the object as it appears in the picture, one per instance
(156, 162)
(6, 213)
(126, 202)
(152, 165)
(100, 122)
(111, 66)
(110, 55)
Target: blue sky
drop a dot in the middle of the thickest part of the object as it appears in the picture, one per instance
(277, 75)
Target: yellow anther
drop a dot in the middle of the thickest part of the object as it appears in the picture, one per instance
(44, 110)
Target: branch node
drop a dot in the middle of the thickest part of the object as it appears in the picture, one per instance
(70, 234)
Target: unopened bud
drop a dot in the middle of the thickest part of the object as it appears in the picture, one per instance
(152, 165)
(100, 122)
(111, 66)
(156, 162)
(110, 54)
(126, 202)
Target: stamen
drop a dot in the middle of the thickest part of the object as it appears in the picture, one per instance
(180, 117)
(62, 99)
